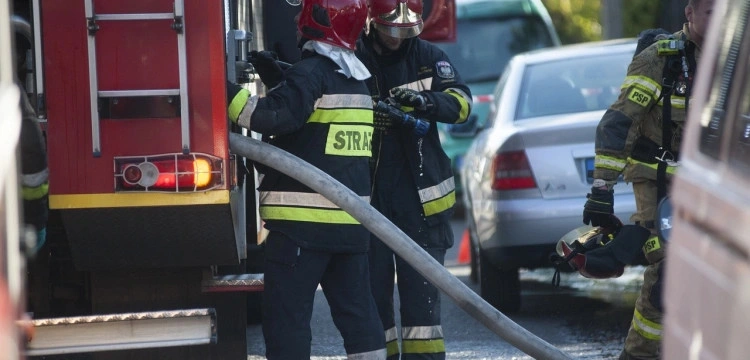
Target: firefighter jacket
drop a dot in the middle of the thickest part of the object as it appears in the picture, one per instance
(419, 65)
(34, 171)
(629, 134)
(324, 118)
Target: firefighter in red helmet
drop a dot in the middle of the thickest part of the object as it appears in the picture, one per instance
(319, 110)
(413, 184)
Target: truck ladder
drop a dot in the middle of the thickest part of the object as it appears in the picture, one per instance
(179, 27)
(122, 331)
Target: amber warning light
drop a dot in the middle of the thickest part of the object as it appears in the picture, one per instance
(168, 173)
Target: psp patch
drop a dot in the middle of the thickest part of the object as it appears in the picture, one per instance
(445, 70)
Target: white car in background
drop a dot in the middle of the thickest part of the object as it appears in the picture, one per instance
(527, 173)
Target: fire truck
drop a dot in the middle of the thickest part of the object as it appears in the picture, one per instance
(152, 247)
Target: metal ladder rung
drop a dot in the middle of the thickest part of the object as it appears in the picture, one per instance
(148, 16)
(132, 93)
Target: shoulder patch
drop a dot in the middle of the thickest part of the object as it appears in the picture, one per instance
(639, 97)
(445, 70)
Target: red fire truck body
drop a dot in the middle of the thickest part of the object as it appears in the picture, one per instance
(148, 206)
(151, 248)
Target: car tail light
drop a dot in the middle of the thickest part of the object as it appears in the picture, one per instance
(511, 171)
(482, 98)
(169, 172)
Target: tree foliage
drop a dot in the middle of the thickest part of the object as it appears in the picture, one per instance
(579, 20)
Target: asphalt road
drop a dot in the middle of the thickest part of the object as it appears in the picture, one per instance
(585, 319)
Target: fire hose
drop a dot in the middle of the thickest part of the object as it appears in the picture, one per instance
(398, 241)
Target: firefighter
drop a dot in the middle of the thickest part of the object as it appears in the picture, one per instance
(413, 183)
(34, 172)
(320, 110)
(638, 137)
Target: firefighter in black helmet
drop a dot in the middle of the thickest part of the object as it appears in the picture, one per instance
(413, 184)
(319, 109)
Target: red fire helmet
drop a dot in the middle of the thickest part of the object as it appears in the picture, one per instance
(335, 22)
(397, 18)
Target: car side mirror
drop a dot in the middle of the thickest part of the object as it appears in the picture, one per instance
(664, 219)
(469, 128)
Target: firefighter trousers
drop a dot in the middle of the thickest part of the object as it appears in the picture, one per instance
(419, 302)
(644, 336)
(292, 275)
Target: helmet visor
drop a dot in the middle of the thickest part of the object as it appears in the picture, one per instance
(402, 22)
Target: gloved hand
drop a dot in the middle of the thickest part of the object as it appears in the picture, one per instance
(413, 98)
(267, 66)
(382, 118)
(599, 208)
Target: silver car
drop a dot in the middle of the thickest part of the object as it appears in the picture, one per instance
(527, 173)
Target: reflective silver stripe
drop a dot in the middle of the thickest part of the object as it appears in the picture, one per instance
(649, 329)
(437, 191)
(370, 355)
(247, 112)
(35, 179)
(460, 92)
(337, 101)
(299, 199)
(422, 332)
(644, 83)
(391, 334)
(419, 85)
(608, 163)
(678, 102)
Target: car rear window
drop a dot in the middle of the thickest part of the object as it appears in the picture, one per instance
(484, 46)
(579, 84)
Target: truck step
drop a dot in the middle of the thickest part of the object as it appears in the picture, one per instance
(122, 331)
(235, 282)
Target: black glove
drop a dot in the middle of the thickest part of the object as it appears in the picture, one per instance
(413, 98)
(267, 66)
(599, 209)
(386, 115)
(382, 118)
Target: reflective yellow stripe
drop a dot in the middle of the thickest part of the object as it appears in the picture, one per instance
(648, 329)
(301, 199)
(438, 198)
(465, 104)
(391, 348)
(238, 102)
(424, 346)
(118, 200)
(439, 205)
(35, 193)
(670, 169)
(609, 162)
(391, 341)
(345, 101)
(349, 140)
(651, 245)
(324, 216)
(423, 339)
(646, 84)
